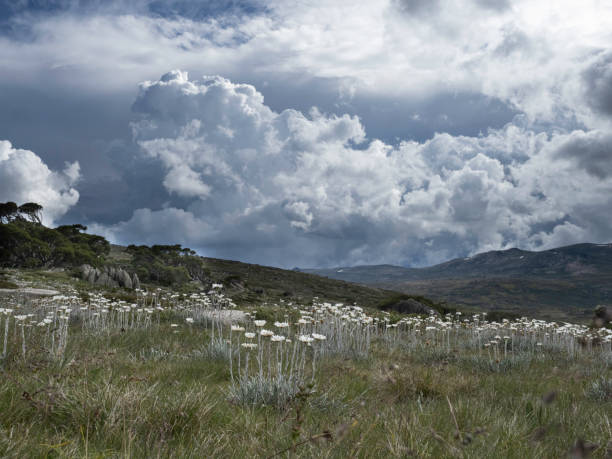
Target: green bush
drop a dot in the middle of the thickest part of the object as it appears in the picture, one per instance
(169, 265)
(8, 284)
(25, 244)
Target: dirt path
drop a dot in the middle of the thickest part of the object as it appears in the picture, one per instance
(29, 291)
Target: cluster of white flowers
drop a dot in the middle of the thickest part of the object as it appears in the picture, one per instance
(283, 348)
(505, 336)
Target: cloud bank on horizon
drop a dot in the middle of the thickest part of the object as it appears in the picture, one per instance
(332, 133)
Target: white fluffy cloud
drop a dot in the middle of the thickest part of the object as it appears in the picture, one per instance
(24, 177)
(248, 180)
(311, 189)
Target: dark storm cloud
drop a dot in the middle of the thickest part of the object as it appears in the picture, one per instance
(590, 151)
(391, 118)
(197, 10)
(68, 123)
(66, 126)
(136, 182)
(193, 9)
(498, 5)
(598, 81)
(18, 16)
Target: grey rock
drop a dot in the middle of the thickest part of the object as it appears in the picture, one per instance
(85, 269)
(103, 280)
(411, 306)
(135, 281)
(92, 276)
(124, 279)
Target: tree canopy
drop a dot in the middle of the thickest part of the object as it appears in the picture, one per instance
(8, 211)
(26, 243)
(30, 211)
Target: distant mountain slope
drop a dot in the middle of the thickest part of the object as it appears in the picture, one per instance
(557, 282)
(569, 261)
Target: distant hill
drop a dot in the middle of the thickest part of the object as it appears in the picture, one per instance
(553, 283)
(570, 261)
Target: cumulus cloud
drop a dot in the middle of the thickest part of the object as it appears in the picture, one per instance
(598, 82)
(24, 177)
(313, 190)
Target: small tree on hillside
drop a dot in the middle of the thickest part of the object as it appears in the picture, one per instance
(32, 210)
(71, 230)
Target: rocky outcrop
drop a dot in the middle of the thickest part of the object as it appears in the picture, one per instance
(109, 276)
(410, 306)
(105, 280)
(125, 279)
(135, 281)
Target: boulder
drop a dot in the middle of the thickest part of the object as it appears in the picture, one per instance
(93, 275)
(103, 279)
(85, 269)
(411, 306)
(135, 281)
(124, 279)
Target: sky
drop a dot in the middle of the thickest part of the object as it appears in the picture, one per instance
(314, 133)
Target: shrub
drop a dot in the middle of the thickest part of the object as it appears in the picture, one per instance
(600, 390)
(8, 284)
(255, 390)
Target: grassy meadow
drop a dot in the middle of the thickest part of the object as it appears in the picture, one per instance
(162, 374)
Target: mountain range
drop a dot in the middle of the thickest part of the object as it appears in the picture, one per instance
(556, 283)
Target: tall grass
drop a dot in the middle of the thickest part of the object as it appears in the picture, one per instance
(324, 380)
